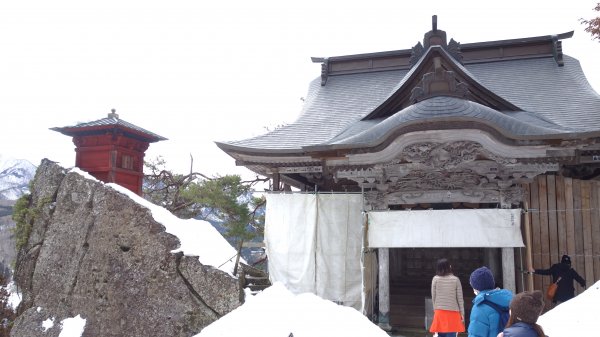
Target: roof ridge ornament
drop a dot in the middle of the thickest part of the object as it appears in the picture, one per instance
(113, 114)
(438, 82)
(435, 37)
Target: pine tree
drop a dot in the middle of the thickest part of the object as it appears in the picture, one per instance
(195, 195)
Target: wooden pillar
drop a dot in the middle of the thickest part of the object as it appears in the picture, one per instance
(276, 180)
(528, 247)
(491, 259)
(508, 269)
(384, 289)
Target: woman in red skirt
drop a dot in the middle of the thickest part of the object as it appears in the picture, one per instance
(448, 304)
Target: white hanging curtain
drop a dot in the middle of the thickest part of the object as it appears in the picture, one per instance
(314, 244)
(445, 228)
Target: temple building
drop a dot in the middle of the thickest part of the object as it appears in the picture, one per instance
(485, 153)
(111, 149)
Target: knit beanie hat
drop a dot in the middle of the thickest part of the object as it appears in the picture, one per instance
(566, 259)
(482, 279)
(527, 306)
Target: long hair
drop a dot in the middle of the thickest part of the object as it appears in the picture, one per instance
(443, 267)
(512, 319)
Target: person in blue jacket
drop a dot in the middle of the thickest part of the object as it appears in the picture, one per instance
(485, 320)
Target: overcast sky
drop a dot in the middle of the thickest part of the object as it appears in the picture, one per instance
(196, 72)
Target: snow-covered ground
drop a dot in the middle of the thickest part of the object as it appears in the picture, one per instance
(276, 312)
(576, 317)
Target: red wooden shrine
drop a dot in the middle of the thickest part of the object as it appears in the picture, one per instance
(111, 150)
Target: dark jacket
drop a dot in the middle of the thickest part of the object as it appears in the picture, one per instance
(520, 329)
(565, 290)
(485, 320)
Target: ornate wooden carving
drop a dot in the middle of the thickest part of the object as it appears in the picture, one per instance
(439, 81)
(557, 51)
(324, 71)
(461, 171)
(416, 53)
(454, 50)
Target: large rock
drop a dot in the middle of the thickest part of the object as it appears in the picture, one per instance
(96, 253)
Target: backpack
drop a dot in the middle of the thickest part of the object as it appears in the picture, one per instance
(502, 311)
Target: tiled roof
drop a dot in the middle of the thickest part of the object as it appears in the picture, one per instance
(111, 121)
(556, 99)
(440, 109)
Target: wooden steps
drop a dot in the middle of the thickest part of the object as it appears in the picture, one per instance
(253, 278)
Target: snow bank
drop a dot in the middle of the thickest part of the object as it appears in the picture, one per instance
(196, 237)
(276, 312)
(576, 317)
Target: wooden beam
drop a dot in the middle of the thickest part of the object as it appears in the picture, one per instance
(553, 247)
(561, 217)
(544, 236)
(535, 232)
(578, 259)
(586, 194)
(508, 269)
(384, 289)
(595, 204)
(528, 247)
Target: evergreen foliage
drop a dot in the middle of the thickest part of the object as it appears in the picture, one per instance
(23, 216)
(226, 199)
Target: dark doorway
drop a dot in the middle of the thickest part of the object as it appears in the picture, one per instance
(411, 271)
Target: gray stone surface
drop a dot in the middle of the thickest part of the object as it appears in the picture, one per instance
(96, 253)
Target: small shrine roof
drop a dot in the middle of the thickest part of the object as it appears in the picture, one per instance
(112, 121)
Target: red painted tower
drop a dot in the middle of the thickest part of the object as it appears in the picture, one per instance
(111, 149)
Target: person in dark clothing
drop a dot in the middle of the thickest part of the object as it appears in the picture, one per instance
(525, 308)
(566, 290)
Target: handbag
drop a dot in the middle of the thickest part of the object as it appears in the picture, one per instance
(551, 291)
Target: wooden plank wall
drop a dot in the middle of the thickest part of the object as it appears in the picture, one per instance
(564, 214)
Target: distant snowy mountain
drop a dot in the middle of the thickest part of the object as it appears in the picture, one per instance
(15, 175)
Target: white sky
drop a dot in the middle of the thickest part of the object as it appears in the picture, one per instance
(200, 71)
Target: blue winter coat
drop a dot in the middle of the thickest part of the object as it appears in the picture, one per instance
(485, 320)
(520, 329)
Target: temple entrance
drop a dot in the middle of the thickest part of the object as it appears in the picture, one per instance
(411, 271)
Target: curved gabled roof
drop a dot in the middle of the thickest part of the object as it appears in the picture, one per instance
(443, 112)
(547, 99)
(327, 110)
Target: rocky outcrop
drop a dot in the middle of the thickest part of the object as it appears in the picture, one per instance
(94, 252)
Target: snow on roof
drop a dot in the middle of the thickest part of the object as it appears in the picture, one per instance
(276, 312)
(576, 317)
